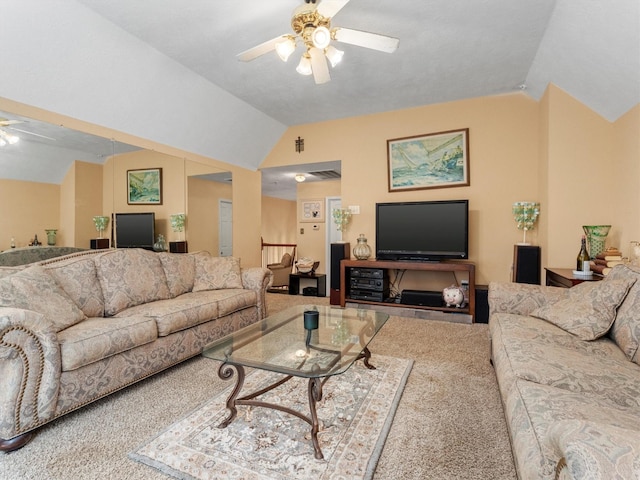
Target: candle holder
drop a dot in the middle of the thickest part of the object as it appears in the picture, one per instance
(177, 223)
(525, 214)
(341, 217)
(101, 223)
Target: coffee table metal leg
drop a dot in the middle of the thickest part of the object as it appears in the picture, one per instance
(225, 372)
(366, 355)
(315, 395)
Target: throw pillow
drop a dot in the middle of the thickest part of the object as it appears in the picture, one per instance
(130, 277)
(34, 289)
(180, 272)
(590, 309)
(215, 273)
(626, 329)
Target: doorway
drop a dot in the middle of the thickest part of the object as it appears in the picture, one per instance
(225, 228)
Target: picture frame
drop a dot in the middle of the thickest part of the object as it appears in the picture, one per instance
(144, 186)
(433, 160)
(312, 210)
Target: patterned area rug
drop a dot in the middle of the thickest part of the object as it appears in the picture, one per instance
(355, 415)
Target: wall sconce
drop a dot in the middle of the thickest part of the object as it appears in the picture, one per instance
(525, 214)
(341, 217)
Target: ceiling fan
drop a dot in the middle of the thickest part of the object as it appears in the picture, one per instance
(311, 24)
(7, 137)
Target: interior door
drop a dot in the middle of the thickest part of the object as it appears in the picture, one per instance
(225, 235)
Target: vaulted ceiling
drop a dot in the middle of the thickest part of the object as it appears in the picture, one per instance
(167, 71)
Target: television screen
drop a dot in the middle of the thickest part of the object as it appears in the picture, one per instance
(134, 230)
(422, 231)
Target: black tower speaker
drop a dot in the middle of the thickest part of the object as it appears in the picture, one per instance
(482, 304)
(526, 264)
(339, 251)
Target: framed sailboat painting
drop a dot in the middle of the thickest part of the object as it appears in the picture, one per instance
(435, 160)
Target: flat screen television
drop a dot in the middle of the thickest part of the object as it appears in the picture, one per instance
(134, 230)
(422, 231)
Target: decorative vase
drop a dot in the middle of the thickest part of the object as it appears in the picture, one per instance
(596, 235)
(51, 236)
(362, 250)
(160, 245)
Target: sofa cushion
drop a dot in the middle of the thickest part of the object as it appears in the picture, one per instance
(626, 329)
(180, 270)
(590, 309)
(177, 313)
(596, 450)
(130, 277)
(79, 279)
(214, 273)
(97, 338)
(34, 289)
(543, 353)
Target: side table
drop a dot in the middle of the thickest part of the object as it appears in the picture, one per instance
(564, 277)
(319, 278)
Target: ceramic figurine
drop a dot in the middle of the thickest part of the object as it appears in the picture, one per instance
(453, 296)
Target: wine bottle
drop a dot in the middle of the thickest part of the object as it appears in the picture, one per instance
(582, 263)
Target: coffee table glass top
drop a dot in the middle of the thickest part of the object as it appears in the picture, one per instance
(280, 342)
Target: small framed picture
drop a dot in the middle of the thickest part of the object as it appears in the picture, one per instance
(312, 210)
(434, 160)
(144, 187)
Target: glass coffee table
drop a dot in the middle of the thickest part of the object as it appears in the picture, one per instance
(307, 341)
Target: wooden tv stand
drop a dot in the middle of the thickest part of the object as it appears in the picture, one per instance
(444, 266)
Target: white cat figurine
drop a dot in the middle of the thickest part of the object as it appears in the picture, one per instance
(453, 296)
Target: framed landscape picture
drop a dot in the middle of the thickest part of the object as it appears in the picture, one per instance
(144, 187)
(434, 160)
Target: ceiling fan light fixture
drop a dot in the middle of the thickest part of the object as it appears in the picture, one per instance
(7, 138)
(321, 37)
(286, 48)
(304, 67)
(333, 55)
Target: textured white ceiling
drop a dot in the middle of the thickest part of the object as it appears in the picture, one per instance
(166, 70)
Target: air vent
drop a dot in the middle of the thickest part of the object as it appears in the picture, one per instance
(326, 174)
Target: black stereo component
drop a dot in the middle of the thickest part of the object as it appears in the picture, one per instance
(368, 295)
(368, 273)
(423, 298)
(376, 284)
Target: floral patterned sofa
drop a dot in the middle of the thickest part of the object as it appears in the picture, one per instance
(77, 328)
(567, 363)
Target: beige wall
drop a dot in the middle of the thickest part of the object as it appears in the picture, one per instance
(203, 217)
(503, 132)
(583, 170)
(556, 151)
(27, 209)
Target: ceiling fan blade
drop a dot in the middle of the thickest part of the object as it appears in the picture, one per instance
(375, 41)
(5, 123)
(319, 66)
(328, 8)
(31, 133)
(261, 49)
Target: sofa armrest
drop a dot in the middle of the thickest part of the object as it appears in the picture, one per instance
(522, 298)
(595, 450)
(30, 367)
(258, 279)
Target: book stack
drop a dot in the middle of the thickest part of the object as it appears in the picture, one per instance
(605, 261)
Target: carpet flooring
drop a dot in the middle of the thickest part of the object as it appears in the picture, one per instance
(449, 423)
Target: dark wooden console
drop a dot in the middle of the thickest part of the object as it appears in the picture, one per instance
(445, 266)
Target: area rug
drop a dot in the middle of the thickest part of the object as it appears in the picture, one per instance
(355, 414)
